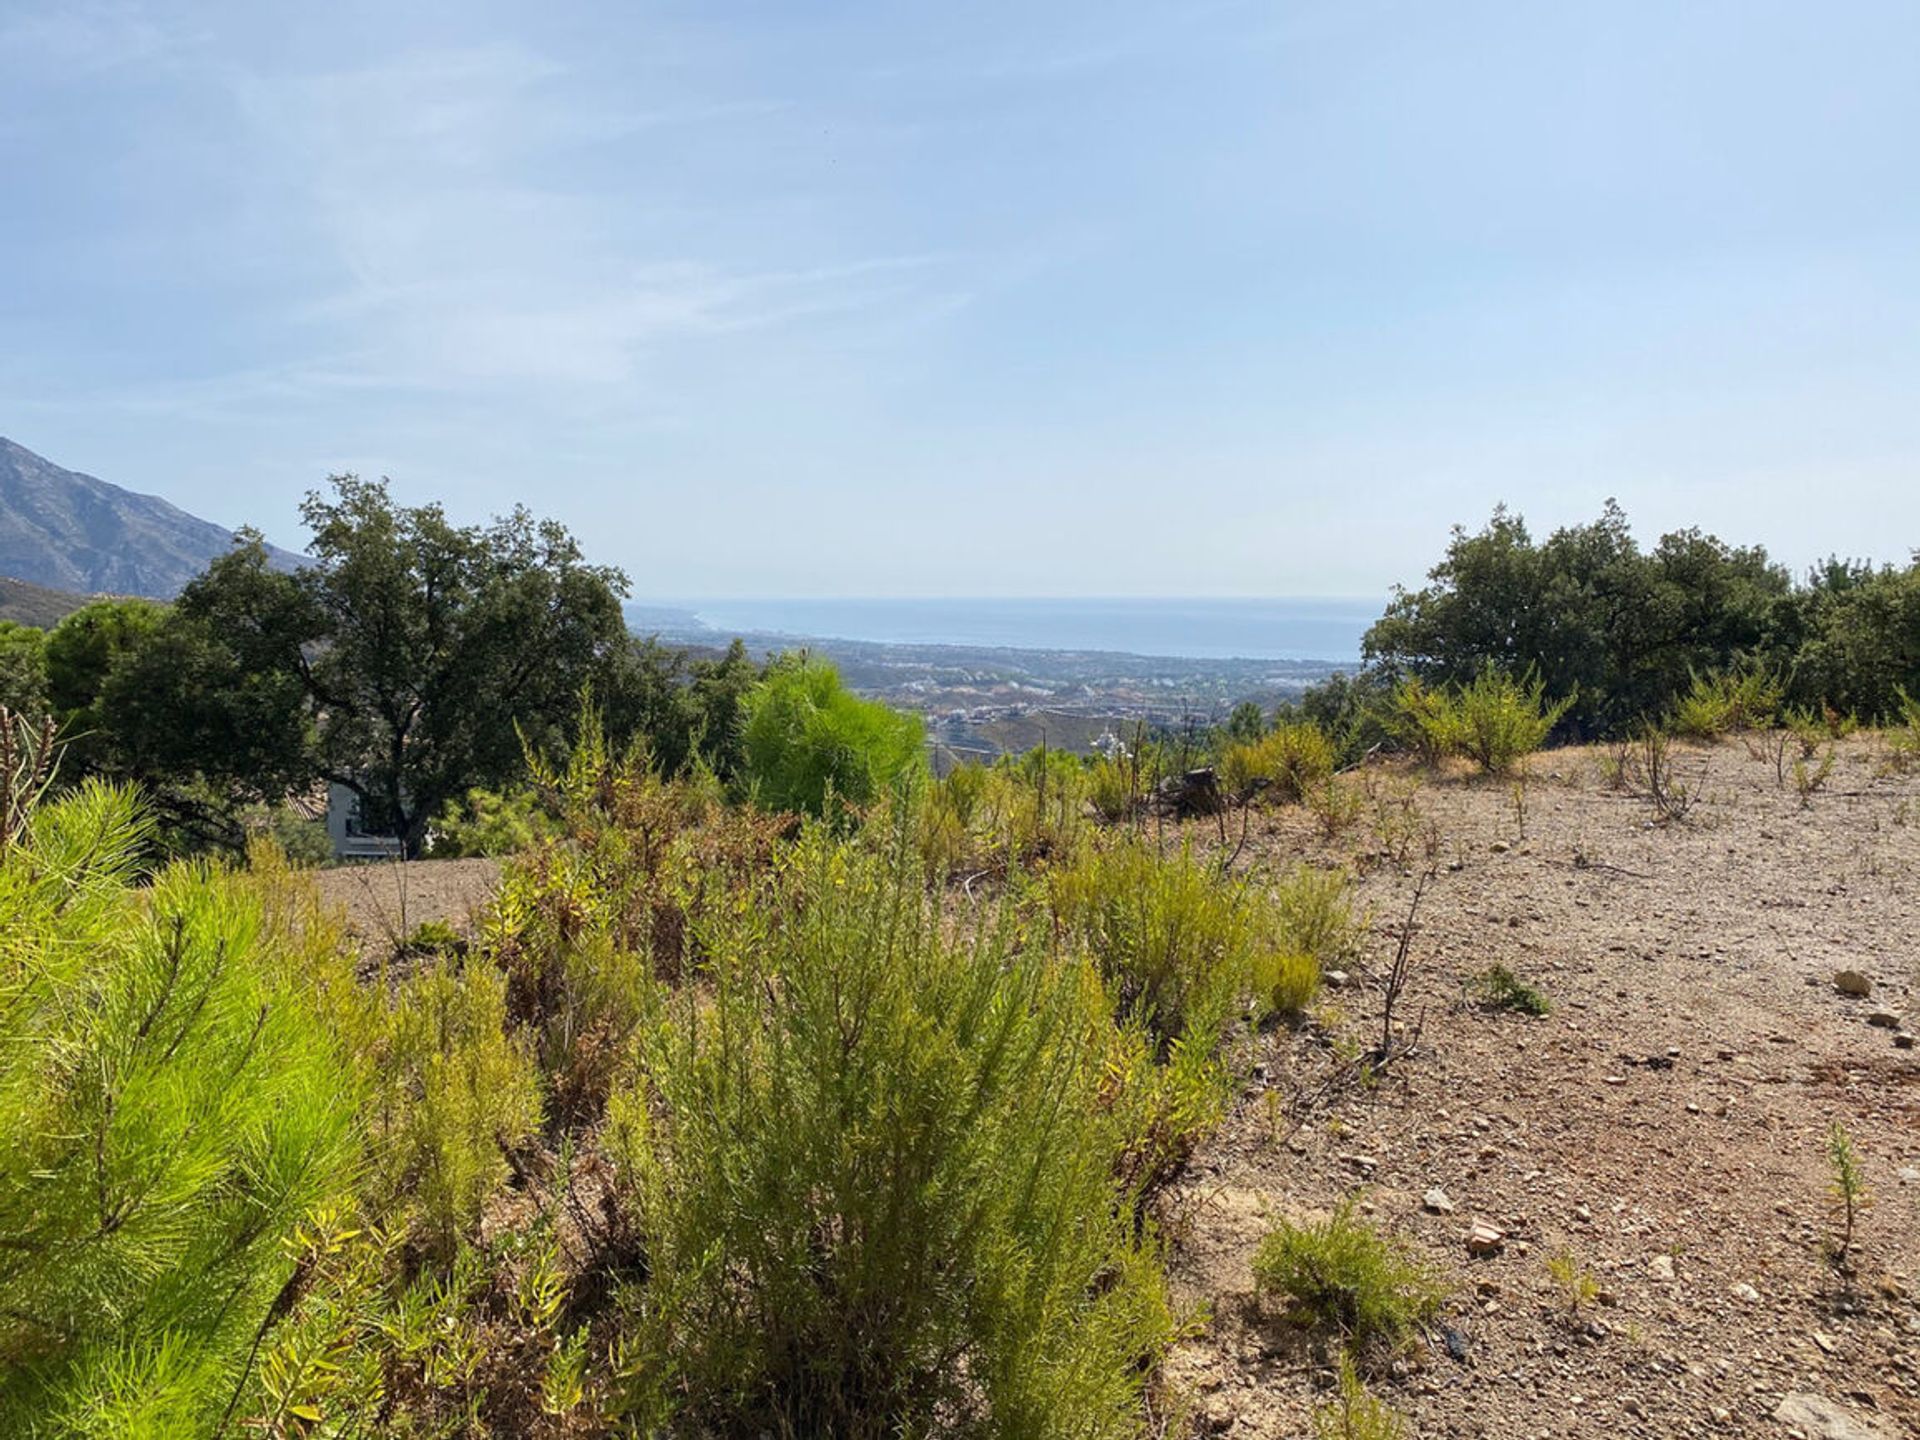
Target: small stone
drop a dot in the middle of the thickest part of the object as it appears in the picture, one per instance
(1821, 1419)
(1746, 1292)
(1884, 1020)
(1485, 1238)
(1852, 982)
(1660, 1267)
(1903, 1041)
(1499, 847)
(1721, 1415)
(1436, 1200)
(1825, 1341)
(1583, 1214)
(1335, 978)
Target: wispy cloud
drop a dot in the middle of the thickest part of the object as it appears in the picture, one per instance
(79, 37)
(470, 249)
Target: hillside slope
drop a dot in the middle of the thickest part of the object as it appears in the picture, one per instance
(35, 605)
(68, 531)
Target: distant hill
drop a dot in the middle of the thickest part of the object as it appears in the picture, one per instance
(68, 531)
(35, 605)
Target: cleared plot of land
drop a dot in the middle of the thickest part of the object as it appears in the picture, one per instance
(1665, 1125)
(385, 901)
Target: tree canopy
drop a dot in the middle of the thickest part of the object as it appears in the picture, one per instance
(405, 663)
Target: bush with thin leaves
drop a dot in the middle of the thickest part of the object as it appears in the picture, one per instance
(171, 1103)
(1720, 702)
(1341, 1272)
(1503, 720)
(808, 739)
(1287, 762)
(872, 1184)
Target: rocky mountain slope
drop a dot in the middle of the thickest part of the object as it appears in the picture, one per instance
(67, 531)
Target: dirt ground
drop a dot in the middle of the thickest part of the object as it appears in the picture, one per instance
(1666, 1124)
(385, 900)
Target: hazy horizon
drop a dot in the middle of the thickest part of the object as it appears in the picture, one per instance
(1215, 299)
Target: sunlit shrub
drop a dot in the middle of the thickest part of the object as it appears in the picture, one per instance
(808, 738)
(872, 1183)
(1719, 702)
(1288, 762)
(488, 822)
(1341, 1272)
(171, 1103)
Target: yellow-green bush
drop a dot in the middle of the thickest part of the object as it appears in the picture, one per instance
(1287, 762)
(1496, 720)
(872, 1183)
(171, 1103)
(1719, 702)
(1341, 1272)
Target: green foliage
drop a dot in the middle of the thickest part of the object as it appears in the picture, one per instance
(1495, 720)
(490, 822)
(1903, 734)
(1500, 989)
(1612, 629)
(23, 669)
(1502, 720)
(1284, 981)
(1312, 914)
(1288, 762)
(1246, 724)
(808, 738)
(1576, 1283)
(869, 1172)
(457, 1094)
(171, 1103)
(1173, 943)
(1720, 702)
(1354, 1413)
(81, 654)
(1341, 1272)
(408, 660)
(1848, 1188)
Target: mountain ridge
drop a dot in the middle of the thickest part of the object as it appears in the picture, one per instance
(65, 530)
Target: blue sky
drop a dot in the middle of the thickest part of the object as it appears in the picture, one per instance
(862, 299)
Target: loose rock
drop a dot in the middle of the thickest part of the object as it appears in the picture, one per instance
(1884, 1019)
(1485, 1238)
(1821, 1419)
(1852, 982)
(1660, 1267)
(1436, 1200)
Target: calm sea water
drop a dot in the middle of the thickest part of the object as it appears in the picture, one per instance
(1273, 629)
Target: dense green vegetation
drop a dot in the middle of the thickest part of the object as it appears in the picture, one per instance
(1620, 634)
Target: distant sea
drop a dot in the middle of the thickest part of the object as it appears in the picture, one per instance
(1305, 628)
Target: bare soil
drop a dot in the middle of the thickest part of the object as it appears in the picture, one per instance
(386, 900)
(1672, 1110)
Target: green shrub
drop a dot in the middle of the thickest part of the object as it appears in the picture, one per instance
(1720, 702)
(1289, 761)
(170, 1105)
(1284, 981)
(1903, 736)
(1500, 989)
(1341, 1272)
(1425, 719)
(807, 738)
(1172, 941)
(488, 822)
(458, 1093)
(1312, 914)
(1496, 721)
(1502, 720)
(868, 1171)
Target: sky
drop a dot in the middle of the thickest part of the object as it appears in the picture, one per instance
(1115, 298)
